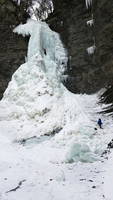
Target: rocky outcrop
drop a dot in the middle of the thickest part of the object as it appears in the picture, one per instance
(87, 73)
(12, 47)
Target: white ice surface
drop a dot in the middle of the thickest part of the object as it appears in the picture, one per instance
(88, 3)
(91, 50)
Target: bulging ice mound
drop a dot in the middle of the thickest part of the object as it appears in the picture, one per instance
(80, 152)
(36, 103)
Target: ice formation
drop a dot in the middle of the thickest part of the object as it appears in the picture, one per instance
(37, 103)
(91, 50)
(88, 3)
(18, 1)
(90, 22)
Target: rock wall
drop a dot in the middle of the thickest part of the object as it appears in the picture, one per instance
(12, 47)
(87, 73)
(103, 15)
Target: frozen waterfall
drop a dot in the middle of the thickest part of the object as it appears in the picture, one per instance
(36, 103)
(45, 44)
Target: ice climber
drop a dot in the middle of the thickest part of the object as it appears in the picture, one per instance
(100, 123)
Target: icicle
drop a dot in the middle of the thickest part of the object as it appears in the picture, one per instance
(91, 50)
(18, 2)
(88, 3)
(90, 22)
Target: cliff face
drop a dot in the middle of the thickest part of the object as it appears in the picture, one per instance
(103, 15)
(12, 47)
(87, 72)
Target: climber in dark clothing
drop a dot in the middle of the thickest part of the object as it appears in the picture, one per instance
(100, 123)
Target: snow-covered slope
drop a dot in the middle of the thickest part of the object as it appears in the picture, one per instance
(44, 128)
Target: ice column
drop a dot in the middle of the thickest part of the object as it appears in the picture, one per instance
(88, 3)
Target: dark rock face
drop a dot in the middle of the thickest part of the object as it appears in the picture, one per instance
(103, 15)
(107, 98)
(87, 73)
(12, 47)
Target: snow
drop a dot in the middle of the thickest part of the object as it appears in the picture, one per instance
(108, 186)
(49, 147)
(45, 9)
(90, 22)
(91, 50)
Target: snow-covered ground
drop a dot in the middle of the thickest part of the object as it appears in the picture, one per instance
(49, 147)
(45, 176)
(41, 168)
